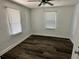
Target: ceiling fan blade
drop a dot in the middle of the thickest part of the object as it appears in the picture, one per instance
(40, 4)
(50, 0)
(34, 0)
(50, 3)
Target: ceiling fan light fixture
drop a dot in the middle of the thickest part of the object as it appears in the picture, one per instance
(46, 2)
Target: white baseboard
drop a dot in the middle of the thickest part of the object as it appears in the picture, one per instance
(51, 35)
(71, 38)
(13, 45)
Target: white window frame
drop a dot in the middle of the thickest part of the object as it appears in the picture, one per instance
(49, 20)
(14, 26)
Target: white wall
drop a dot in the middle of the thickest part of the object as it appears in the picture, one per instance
(64, 21)
(75, 28)
(5, 39)
(75, 32)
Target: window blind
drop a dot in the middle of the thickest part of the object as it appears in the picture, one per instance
(50, 20)
(14, 21)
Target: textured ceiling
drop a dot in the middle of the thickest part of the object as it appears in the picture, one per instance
(34, 3)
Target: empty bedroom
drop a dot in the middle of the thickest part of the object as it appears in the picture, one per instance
(39, 29)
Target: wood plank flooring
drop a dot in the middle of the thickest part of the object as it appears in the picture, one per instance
(41, 47)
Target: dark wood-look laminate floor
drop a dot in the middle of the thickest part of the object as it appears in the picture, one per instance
(40, 47)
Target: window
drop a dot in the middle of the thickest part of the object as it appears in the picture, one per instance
(50, 20)
(14, 21)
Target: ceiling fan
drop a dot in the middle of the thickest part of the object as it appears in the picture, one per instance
(45, 2)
